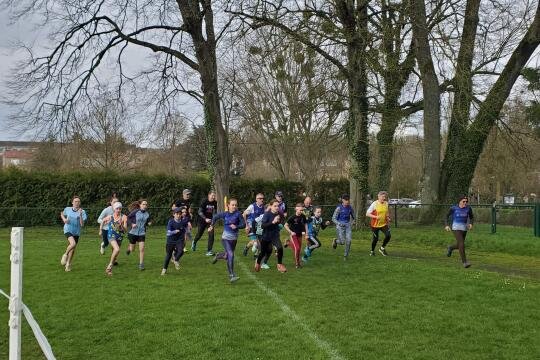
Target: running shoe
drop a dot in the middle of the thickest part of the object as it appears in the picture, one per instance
(108, 270)
(305, 258)
(257, 267)
(265, 266)
(176, 265)
(68, 268)
(245, 252)
(254, 248)
(298, 266)
(141, 267)
(449, 251)
(372, 253)
(383, 251)
(215, 259)
(163, 272)
(334, 244)
(234, 278)
(115, 263)
(466, 265)
(281, 268)
(307, 251)
(63, 261)
(210, 253)
(193, 246)
(185, 250)
(287, 243)
(101, 249)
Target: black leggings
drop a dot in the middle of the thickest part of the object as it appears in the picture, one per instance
(267, 248)
(386, 231)
(313, 243)
(203, 225)
(460, 243)
(178, 249)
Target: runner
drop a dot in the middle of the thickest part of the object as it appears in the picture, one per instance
(105, 212)
(116, 227)
(380, 219)
(73, 218)
(206, 211)
(314, 226)
(252, 212)
(462, 219)
(270, 237)
(343, 218)
(232, 222)
(176, 229)
(138, 220)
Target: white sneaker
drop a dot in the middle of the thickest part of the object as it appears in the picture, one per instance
(176, 265)
(68, 268)
(163, 272)
(63, 261)
(101, 249)
(265, 266)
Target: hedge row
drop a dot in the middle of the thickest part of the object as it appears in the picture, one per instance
(51, 192)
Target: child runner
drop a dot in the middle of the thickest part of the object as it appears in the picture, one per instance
(296, 225)
(380, 218)
(270, 237)
(343, 217)
(185, 201)
(138, 220)
(462, 219)
(206, 211)
(314, 226)
(176, 231)
(116, 227)
(232, 222)
(259, 232)
(252, 212)
(104, 213)
(308, 208)
(73, 218)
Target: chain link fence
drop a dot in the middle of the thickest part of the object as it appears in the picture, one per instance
(527, 216)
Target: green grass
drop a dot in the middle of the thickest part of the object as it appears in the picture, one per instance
(414, 304)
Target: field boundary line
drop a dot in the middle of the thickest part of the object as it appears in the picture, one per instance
(321, 343)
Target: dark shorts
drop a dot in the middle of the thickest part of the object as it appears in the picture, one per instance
(76, 237)
(133, 239)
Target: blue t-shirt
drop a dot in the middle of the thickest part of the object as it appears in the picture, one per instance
(343, 214)
(73, 225)
(140, 218)
(172, 236)
(459, 217)
(228, 220)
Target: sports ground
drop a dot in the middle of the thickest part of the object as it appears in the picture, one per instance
(414, 304)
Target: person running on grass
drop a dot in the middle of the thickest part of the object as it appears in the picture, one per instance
(176, 231)
(461, 219)
(232, 222)
(343, 218)
(296, 225)
(207, 209)
(104, 213)
(138, 220)
(380, 220)
(314, 226)
(308, 208)
(270, 237)
(116, 227)
(185, 201)
(252, 212)
(73, 218)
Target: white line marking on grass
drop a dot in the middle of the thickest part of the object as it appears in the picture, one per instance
(324, 345)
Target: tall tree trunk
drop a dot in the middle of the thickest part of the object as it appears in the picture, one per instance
(431, 118)
(218, 159)
(466, 156)
(354, 18)
(463, 96)
(385, 138)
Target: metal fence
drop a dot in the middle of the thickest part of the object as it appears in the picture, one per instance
(522, 215)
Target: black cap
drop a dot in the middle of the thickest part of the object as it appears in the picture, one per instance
(345, 197)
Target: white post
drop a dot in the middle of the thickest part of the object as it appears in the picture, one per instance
(15, 301)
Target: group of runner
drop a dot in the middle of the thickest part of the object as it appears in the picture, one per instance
(263, 223)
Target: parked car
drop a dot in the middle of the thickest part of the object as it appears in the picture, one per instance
(415, 204)
(393, 201)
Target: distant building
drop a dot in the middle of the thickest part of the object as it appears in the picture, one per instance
(16, 153)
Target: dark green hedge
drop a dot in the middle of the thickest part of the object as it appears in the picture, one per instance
(20, 191)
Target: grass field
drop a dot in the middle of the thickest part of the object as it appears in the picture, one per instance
(414, 304)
